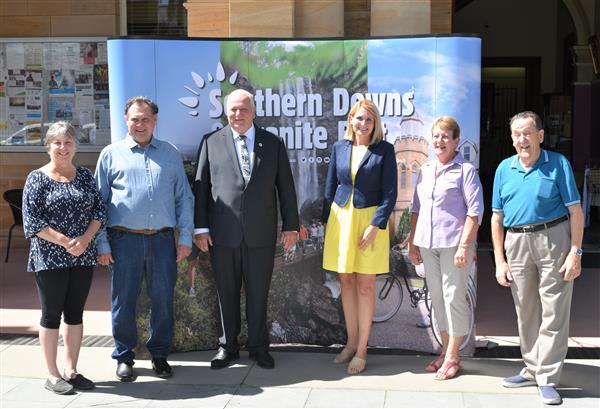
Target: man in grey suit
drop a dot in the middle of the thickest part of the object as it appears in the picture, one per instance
(242, 172)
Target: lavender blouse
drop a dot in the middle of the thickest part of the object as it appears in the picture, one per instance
(444, 201)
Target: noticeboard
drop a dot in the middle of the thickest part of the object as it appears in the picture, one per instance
(48, 80)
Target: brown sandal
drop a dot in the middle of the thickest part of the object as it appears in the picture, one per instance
(436, 364)
(449, 369)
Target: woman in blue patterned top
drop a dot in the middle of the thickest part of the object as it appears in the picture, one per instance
(62, 211)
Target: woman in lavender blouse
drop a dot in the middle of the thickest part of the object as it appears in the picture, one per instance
(447, 210)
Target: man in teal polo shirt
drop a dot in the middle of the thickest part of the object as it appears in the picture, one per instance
(536, 200)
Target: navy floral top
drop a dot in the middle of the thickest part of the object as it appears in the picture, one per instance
(67, 207)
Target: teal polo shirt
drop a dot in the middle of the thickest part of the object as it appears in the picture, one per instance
(538, 195)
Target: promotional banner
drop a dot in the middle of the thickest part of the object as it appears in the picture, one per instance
(303, 92)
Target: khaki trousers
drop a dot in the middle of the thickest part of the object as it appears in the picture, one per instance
(542, 299)
(447, 285)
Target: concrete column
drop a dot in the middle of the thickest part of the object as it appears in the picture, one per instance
(265, 18)
(319, 18)
(207, 18)
(582, 59)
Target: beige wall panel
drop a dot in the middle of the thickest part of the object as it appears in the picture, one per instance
(266, 18)
(207, 18)
(319, 18)
(66, 26)
(19, 164)
(4, 185)
(441, 16)
(13, 8)
(94, 7)
(25, 26)
(48, 7)
(400, 17)
(17, 173)
(35, 159)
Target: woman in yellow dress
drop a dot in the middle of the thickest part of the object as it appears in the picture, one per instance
(360, 194)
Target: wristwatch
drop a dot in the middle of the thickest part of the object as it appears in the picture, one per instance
(577, 251)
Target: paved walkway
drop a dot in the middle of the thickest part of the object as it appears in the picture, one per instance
(299, 380)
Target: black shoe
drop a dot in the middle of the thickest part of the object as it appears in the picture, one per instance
(61, 387)
(161, 367)
(223, 359)
(81, 383)
(125, 372)
(263, 359)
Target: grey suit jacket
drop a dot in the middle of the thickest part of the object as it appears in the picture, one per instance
(230, 209)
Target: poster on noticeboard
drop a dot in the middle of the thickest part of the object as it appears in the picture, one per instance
(44, 81)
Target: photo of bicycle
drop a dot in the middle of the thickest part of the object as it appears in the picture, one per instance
(407, 281)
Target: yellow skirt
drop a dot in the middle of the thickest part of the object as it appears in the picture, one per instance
(341, 251)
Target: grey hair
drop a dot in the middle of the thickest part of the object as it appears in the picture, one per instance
(60, 128)
(528, 115)
(141, 100)
(243, 92)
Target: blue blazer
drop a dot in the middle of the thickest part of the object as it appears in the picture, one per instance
(376, 182)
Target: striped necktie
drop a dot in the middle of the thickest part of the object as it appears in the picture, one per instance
(245, 159)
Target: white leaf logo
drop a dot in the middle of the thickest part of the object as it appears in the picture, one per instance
(193, 102)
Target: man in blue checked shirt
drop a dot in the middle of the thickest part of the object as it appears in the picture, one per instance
(147, 195)
(536, 200)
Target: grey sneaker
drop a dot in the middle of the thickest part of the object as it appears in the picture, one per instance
(61, 387)
(517, 381)
(549, 395)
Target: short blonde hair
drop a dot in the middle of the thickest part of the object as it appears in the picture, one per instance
(371, 108)
(60, 128)
(447, 123)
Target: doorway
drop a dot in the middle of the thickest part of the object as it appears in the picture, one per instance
(508, 85)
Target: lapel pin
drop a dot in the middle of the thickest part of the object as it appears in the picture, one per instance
(260, 144)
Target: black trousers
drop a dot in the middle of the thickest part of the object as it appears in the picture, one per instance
(63, 291)
(254, 267)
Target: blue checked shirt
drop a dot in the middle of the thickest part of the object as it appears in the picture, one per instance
(144, 188)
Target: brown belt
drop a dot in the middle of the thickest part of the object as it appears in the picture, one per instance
(147, 232)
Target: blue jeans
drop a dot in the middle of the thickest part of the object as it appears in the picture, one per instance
(138, 256)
